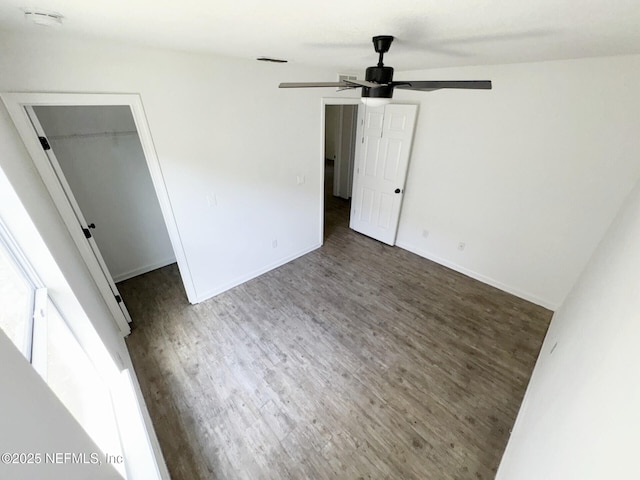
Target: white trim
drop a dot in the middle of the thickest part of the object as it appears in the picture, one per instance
(30, 276)
(152, 438)
(121, 277)
(256, 273)
(142, 459)
(478, 276)
(39, 344)
(18, 257)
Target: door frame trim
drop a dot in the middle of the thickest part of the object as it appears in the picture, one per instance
(15, 103)
(324, 102)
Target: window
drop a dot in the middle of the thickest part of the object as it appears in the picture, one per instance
(36, 327)
(17, 295)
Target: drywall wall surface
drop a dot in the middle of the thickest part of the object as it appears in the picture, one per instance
(528, 175)
(580, 417)
(231, 148)
(99, 151)
(33, 421)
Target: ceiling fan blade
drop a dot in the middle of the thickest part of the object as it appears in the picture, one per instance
(317, 84)
(364, 83)
(428, 85)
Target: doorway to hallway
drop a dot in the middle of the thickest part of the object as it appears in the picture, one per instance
(340, 132)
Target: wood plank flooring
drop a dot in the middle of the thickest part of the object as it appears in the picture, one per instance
(356, 361)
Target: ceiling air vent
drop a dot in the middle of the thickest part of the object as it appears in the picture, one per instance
(45, 18)
(269, 59)
(342, 77)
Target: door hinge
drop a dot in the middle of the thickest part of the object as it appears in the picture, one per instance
(118, 298)
(87, 233)
(44, 143)
(362, 139)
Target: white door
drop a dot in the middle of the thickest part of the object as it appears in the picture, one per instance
(91, 255)
(381, 170)
(99, 151)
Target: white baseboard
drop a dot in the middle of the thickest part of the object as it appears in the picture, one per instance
(411, 248)
(139, 271)
(256, 273)
(480, 277)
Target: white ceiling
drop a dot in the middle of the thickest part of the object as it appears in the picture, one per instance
(337, 34)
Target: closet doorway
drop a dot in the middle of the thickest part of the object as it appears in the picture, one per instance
(99, 152)
(96, 158)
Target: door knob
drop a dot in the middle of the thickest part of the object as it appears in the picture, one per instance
(398, 190)
(92, 225)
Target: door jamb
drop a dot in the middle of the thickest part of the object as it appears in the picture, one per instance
(15, 103)
(331, 101)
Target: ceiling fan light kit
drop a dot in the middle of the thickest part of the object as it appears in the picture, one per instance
(375, 101)
(378, 85)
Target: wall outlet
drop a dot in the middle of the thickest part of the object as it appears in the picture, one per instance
(425, 233)
(300, 179)
(212, 201)
(274, 244)
(461, 246)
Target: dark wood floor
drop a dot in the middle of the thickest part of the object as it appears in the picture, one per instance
(355, 361)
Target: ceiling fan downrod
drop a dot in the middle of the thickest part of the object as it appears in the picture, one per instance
(380, 74)
(382, 44)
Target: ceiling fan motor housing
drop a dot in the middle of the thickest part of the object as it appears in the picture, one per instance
(382, 75)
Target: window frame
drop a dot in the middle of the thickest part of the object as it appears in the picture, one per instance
(31, 278)
(35, 341)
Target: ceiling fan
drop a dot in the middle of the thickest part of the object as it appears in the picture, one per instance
(378, 85)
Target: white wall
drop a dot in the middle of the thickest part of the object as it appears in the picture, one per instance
(34, 421)
(222, 130)
(528, 175)
(580, 418)
(99, 151)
